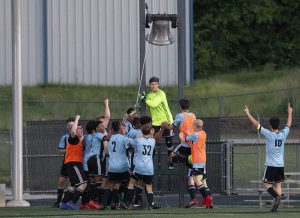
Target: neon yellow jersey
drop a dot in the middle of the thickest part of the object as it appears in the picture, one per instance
(158, 106)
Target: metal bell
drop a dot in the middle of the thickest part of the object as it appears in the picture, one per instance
(160, 33)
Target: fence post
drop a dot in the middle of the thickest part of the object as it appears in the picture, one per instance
(228, 167)
(2, 195)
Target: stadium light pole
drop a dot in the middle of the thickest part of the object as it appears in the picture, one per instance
(17, 172)
(142, 5)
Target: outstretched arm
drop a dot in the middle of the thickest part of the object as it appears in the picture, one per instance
(253, 121)
(74, 126)
(290, 113)
(106, 112)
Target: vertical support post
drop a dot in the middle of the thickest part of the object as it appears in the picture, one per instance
(228, 168)
(221, 106)
(45, 42)
(142, 51)
(181, 79)
(17, 163)
(259, 155)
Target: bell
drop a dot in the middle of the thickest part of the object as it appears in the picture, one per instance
(160, 33)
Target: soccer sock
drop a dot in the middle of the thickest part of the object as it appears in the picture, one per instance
(130, 194)
(272, 192)
(98, 192)
(67, 195)
(207, 191)
(78, 192)
(60, 193)
(92, 191)
(115, 196)
(202, 190)
(101, 193)
(170, 147)
(150, 198)
(85, 197)
(192, 192)
(106, 196)
(138, 194)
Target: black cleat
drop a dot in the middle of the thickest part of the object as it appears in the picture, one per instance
(276, 204)
(55, 205)
(171, 165)
(154, 206)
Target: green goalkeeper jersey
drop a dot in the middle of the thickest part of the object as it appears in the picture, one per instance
(158, 107)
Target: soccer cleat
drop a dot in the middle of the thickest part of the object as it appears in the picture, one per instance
(63, 206)
(55, 205)
(209, 202)
(276, 204)
(102, 207)
(85, 207)
(115, 206)
(171, 165)
(203, 202)
(71, 206)
(154, 206)
(123, 205)
(93, 204)
(192, 203)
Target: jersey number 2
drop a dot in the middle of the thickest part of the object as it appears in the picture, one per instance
(147, 150)
(114, 144)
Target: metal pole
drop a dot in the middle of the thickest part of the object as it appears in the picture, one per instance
(181, 70)
(142, 51)
(228, 168)
(259, 155)
(17, 175)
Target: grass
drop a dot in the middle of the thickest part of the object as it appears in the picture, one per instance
(42, 211)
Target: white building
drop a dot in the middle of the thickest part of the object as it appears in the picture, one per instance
(88, 42)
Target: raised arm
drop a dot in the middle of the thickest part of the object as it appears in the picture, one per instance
(290, 113)
(253, 121)
(158, 135)
(106, 112)
(74, 126)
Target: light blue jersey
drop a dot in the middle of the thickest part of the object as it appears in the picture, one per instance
(118, 161)
(128, 126)
(275, 146)
(133, 133)
(63, 141)
(143, 157)
(87, 150)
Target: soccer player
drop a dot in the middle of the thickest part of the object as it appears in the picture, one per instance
(274, 165)
(144, 169)
(73, 161)
(157, 104)
(184, 120)
(118, 169)
(128, 119)
(198, 160)
(63, 178)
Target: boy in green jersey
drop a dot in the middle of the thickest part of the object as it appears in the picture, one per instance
(158, 107)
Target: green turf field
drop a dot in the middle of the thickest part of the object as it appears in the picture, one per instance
(39, 211)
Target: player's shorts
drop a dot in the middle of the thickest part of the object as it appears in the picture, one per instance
(147, 179)
(273, 175)
(95, 166)
(63, 170)
(184, 152)
(198, 171)
(118, 177)
(166, 133)
(76, 173)
(191, 172)
(104, 164)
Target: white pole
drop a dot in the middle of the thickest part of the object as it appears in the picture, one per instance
(17, 174)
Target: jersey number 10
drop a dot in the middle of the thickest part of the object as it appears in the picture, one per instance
(278, 143)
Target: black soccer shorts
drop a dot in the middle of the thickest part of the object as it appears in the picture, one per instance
(273, 175)
(147, 179)
(75, 173)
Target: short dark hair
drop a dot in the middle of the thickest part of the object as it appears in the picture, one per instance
(184, 103)
(130, 110)
(89, 127)
(70, 119)
(146, 129)
(145, 119)
(100, 117)
(136, 122)
(274, 122)
(153, 79)
(116, 125)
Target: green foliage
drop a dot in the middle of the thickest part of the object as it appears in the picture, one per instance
(230, 35)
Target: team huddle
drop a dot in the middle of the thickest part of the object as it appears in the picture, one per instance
(113, 165)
